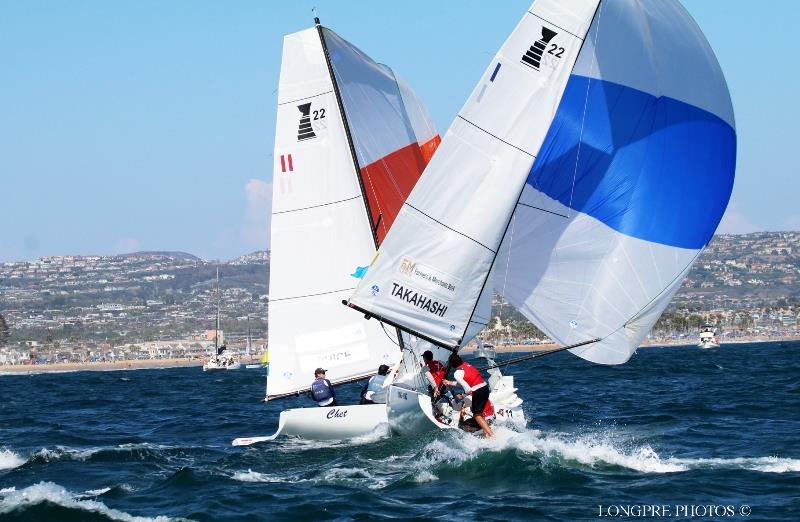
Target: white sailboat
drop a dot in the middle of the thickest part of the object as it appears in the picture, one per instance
(351, 141)
(562, 183)
(221, 359)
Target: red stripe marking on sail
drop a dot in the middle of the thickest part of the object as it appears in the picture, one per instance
(388, 182)
(429, 147)
(291, 167)
(283, 164)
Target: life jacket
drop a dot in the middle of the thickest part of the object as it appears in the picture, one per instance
(376, 383)
(471, 375)
(321, 390)
(375, 391)
(488, 410)
(437, 370)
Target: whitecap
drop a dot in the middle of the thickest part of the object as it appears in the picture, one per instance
(10, 460)
(13, 499)
(763, 464)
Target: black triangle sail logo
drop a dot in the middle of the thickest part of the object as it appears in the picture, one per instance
(533, 56)
(304, 131)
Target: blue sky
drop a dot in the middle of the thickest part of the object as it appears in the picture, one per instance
(149, 125)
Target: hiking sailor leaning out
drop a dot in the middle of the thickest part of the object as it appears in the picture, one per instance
(470, 379)
(322, 389)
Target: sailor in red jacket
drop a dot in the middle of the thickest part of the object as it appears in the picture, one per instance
(470, 379)
(434, 372)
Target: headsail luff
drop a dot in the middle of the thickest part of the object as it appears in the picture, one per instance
(434, 264)
(321, 234)
(630, 183)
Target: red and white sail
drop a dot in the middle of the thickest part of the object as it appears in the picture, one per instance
(326, 203)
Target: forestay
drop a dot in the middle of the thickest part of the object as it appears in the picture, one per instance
(435, 261)
(322, 237)
(629, 186)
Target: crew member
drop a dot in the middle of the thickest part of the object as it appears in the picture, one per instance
(374, 392)
(470, 425)
(322, 389)
(434, 372)
(470, 379)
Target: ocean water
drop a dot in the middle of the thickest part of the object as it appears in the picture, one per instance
(713, 433)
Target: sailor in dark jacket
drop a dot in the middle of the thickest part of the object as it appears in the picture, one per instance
(322, 389)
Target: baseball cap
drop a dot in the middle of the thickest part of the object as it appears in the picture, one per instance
(320, 370)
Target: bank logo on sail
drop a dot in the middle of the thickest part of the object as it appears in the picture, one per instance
(430, 278)
(533, 56)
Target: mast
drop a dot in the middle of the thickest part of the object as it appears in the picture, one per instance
(372, 225)
(216, 327)
(347, 133)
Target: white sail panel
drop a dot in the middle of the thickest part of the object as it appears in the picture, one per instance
(320, 233)
(435, 261)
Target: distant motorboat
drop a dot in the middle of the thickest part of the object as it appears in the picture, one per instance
(708, 338)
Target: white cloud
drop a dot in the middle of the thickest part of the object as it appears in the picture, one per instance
(126, 245)
(734, 221)
(255, 231)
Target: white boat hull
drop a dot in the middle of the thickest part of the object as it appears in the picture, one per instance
(412, 412)
(327, 423)
(705, 345)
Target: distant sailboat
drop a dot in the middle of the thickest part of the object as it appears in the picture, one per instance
(565, 184)
(351, 141)
(221, 359)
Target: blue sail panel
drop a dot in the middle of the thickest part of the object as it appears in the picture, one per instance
(649, 167)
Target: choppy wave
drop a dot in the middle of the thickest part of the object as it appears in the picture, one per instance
(121, 452)
(10, 460)
(17, 501)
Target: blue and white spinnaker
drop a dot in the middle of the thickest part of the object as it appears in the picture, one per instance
(629, 185)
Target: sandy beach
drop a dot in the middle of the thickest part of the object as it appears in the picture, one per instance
(100, 366)
(173, 363)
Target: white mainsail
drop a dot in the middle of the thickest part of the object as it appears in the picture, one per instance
(328, 211)
(434, 265)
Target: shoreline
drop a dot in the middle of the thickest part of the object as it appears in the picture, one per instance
(144, 364)
(149, 364)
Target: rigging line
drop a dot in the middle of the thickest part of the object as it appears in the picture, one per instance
(383, 327)
(508, 255)
(598, 13)
(537, 355)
